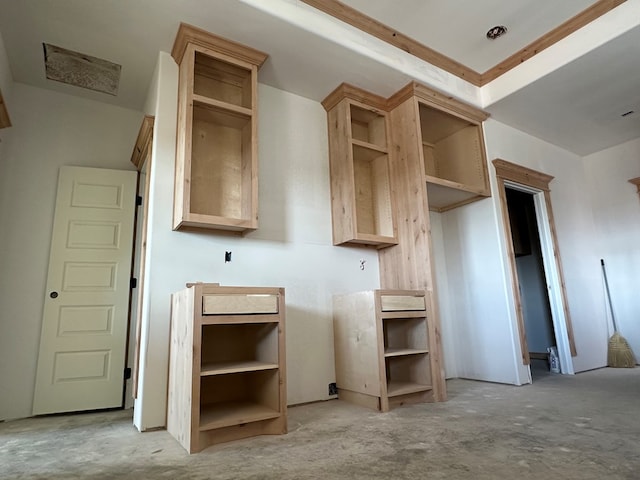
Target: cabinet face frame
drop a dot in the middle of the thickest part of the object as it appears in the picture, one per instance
(223, 193)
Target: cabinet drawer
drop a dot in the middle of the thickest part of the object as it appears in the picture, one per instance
(396, 303)
(224, 304)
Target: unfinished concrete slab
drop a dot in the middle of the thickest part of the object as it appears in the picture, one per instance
(562, 427)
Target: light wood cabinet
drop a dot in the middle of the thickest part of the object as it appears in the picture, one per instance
(362, 203)
(227, 364)
(383, 343)
(216, 153)
(450, 149)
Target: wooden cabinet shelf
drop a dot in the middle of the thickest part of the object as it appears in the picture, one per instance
(452, 150)
(216, 152)
(227, 364)
(382, 346)
(363, 211)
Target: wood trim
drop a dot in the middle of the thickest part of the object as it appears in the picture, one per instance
(387, 34)
(519, 174)
(439, 100)
(4, 114)
(145, 163)
(532, 178)
(346, 90)
(567, 28)
(143, 142)
(190, 34)
(636, 182)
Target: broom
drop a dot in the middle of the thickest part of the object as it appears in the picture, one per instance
(619, 354)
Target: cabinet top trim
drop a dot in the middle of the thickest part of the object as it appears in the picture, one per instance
(438, 100)
(346, 90)
(190, 34)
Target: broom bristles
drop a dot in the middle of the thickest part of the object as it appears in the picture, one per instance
(619, 354)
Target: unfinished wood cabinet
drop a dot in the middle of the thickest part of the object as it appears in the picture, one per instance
(451, 147)
(216, 180)
(362, 203)
(383, 343)
(227, 364)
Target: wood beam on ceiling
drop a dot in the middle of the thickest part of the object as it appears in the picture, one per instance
(379, 30)
(371, 26)
(567, 28)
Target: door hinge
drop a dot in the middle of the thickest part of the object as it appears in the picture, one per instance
(133, 283)
(127, 373)
(138, 200)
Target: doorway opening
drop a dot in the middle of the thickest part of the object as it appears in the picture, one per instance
(536, 309)
(538, 289)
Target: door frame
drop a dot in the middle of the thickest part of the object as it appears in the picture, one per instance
(510, 175)
(141, 158)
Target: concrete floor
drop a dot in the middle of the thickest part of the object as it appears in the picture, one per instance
(583, 427)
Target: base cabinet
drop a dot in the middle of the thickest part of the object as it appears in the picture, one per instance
(227, 365)
(382, 348)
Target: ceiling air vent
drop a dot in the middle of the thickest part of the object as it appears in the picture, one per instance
(81, 70)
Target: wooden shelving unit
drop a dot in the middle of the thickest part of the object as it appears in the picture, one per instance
(227, 365)
(361, 195)
(452, 147)
(216, 154)
(382, 345)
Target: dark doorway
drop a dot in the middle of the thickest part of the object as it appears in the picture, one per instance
(540, 334)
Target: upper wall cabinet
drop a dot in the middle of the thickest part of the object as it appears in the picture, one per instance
(362, 203)
(216, 181)
(452, 147)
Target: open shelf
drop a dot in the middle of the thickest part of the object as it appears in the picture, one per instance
(400, 352)
(220, 80)
(395, 389)
(223, 368)
(250, 344)
(405, 334)
(454, 161)
(221, 415)
(368, 126)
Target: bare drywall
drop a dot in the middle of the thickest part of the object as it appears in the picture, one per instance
(616, 210)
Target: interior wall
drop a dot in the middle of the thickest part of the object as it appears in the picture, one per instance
(616, 210)
(292, 247)
(478, 312)
(575, 227)
(49, 130)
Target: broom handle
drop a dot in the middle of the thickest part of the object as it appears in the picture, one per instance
(606, 284)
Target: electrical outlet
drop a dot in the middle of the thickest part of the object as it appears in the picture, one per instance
(333, 389)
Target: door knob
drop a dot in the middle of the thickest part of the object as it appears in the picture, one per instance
(53, 294)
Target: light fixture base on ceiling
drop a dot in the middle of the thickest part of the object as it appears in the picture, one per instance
(497, 31)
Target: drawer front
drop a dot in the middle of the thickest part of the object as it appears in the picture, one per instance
(398, 303)
(225, 304)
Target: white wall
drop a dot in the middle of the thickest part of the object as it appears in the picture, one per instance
(576, 230)
(616, 208)
(49, 130)
(292, 247)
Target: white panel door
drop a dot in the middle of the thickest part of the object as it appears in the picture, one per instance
(84, 327)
